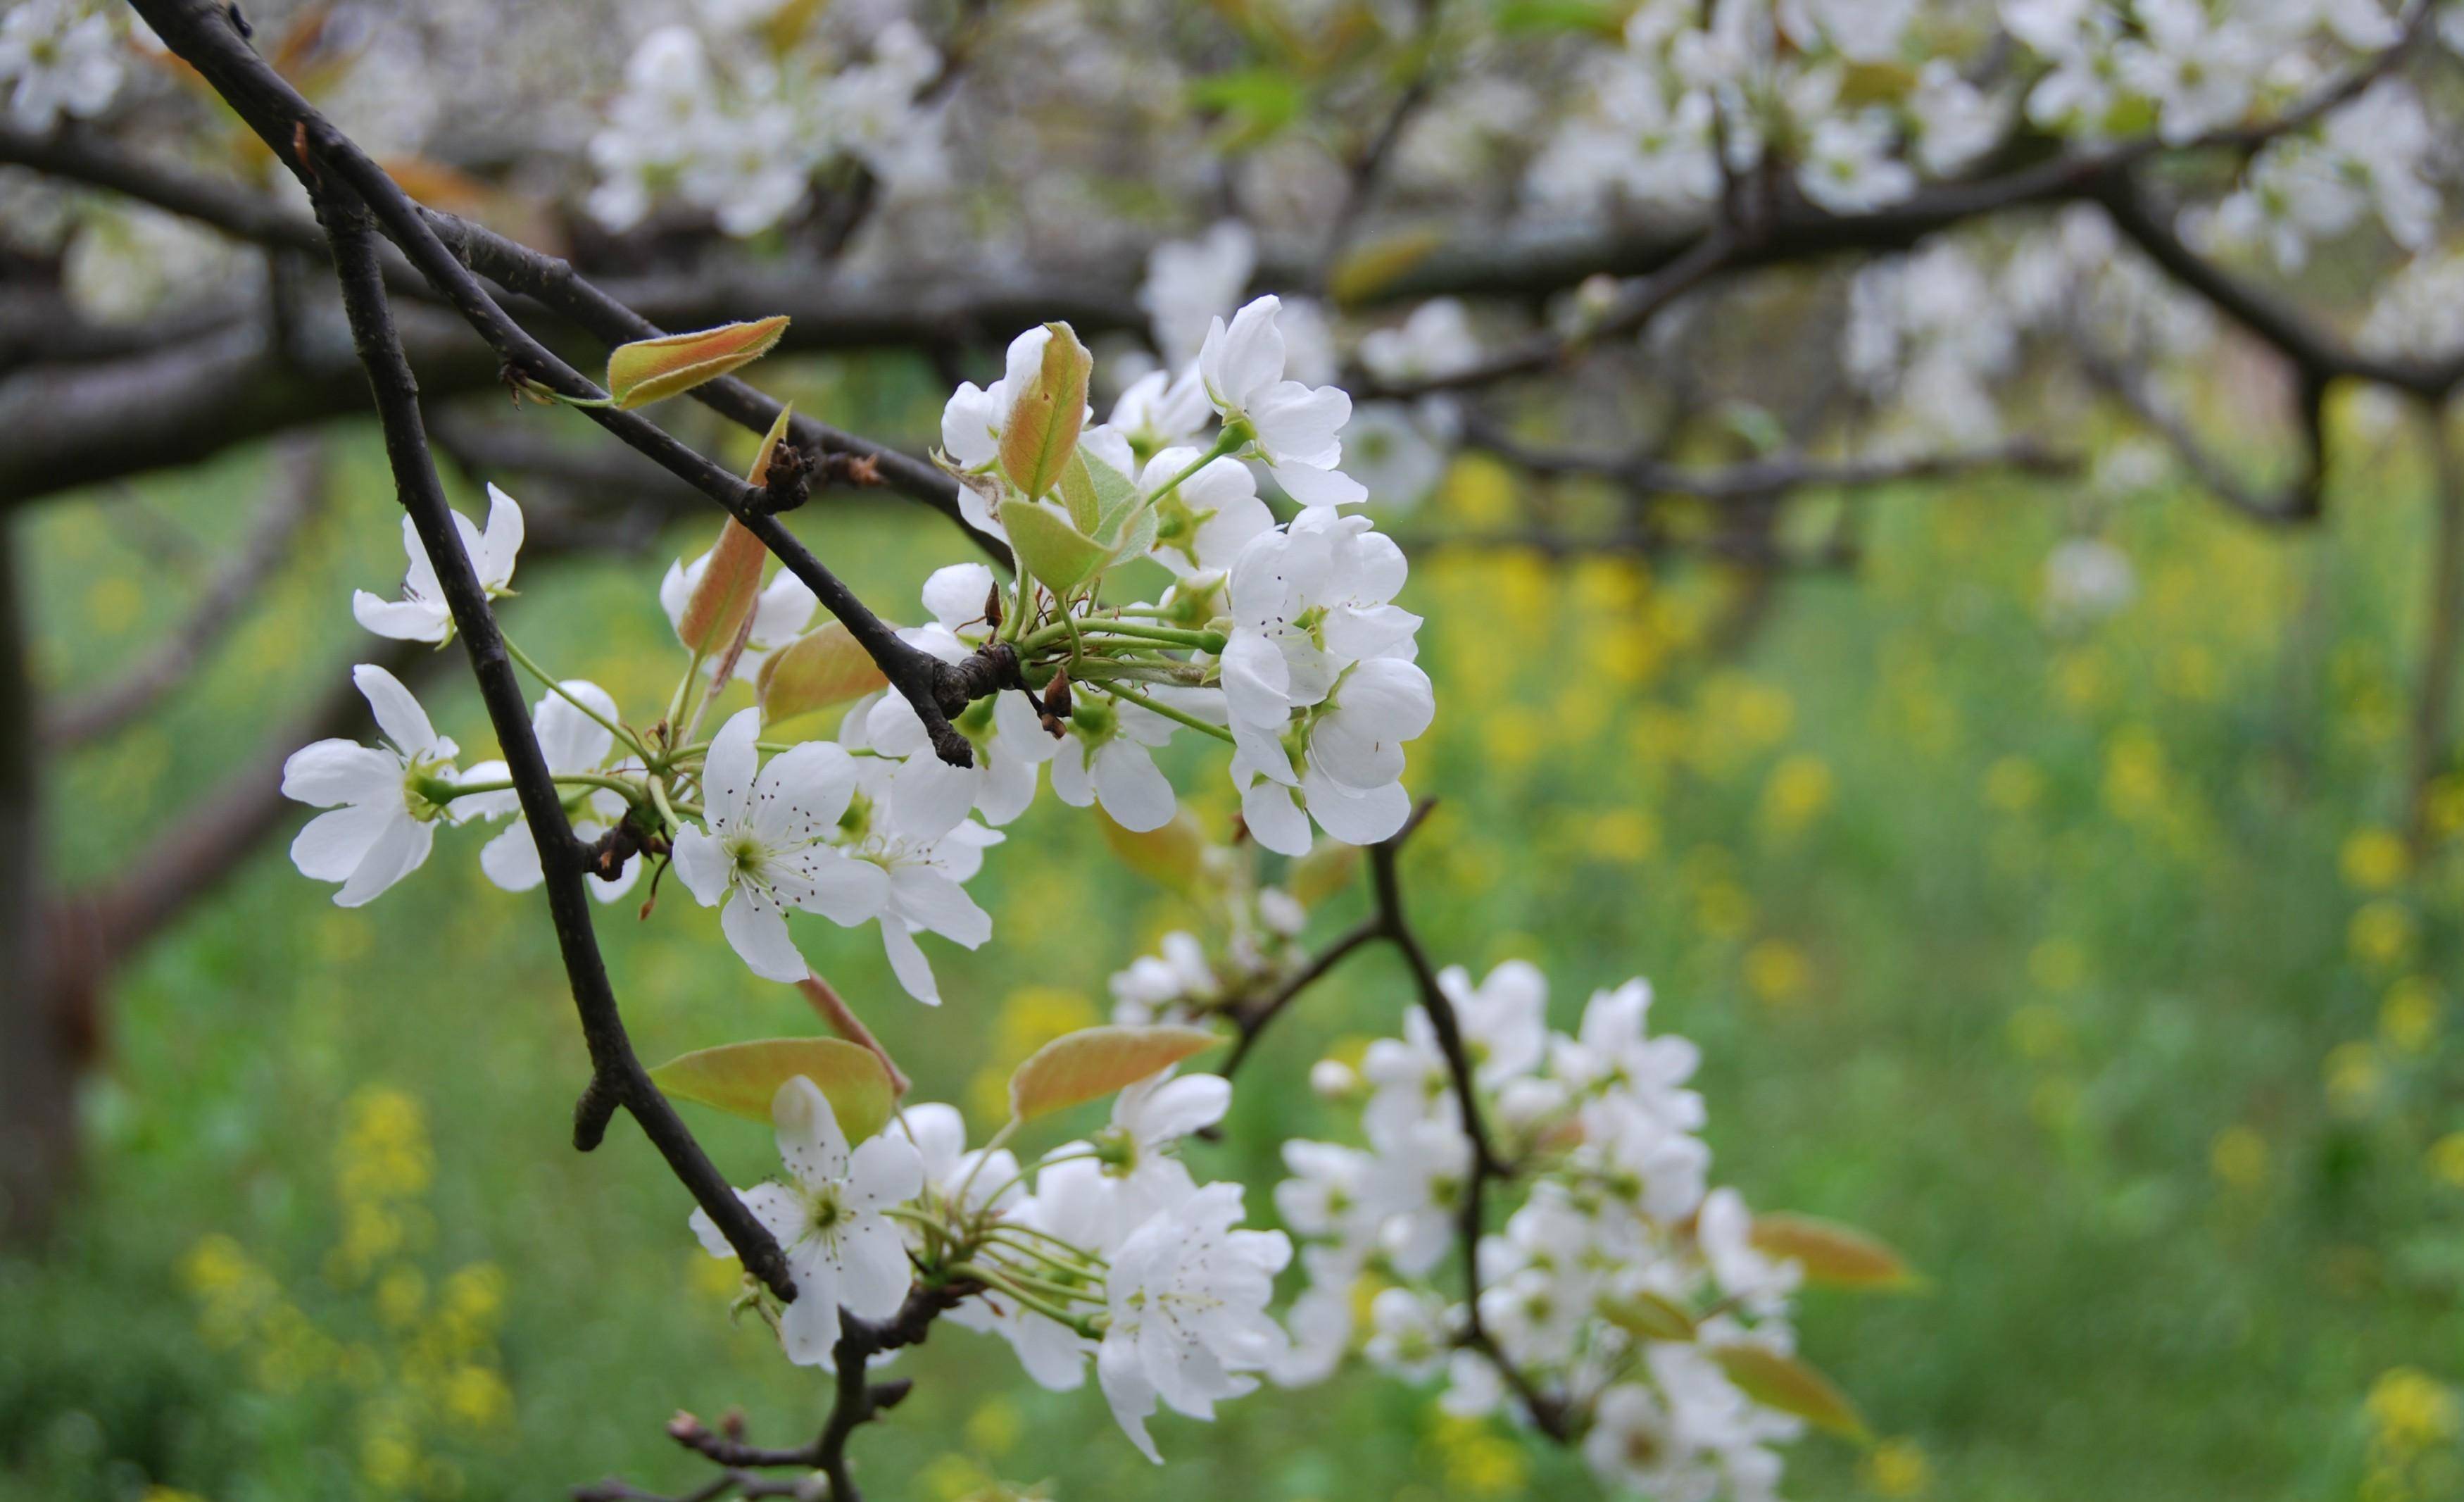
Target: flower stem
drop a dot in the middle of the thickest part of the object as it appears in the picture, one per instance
(1158, 707)
(557, 688)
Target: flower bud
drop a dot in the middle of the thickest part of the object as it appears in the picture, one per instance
(1332, 1079)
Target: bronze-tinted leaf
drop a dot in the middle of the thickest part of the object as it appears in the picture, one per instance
(1094, 1062)
(1045, 418)
(741, 1078)
(1790, 1385)
(1831, 1253)
(823, 668)
(651, 369)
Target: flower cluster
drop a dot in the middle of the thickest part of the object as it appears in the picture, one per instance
(1280, 639)
(739, 117)
(1618, 1285)
(1106, 1248)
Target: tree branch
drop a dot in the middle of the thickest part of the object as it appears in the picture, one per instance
(300, 494)
(203, 36)
(616, 1074)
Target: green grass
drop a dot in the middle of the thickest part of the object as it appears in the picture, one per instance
(2034, 951)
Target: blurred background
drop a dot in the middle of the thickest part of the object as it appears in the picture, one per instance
(1897, 655)
(2083, 963)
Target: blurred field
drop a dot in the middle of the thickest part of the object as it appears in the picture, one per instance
(2082, 965)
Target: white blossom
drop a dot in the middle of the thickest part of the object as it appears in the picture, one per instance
(842, 1252)
(765, 850)
(421, 614)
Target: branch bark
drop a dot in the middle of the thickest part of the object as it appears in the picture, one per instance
(617, 1076)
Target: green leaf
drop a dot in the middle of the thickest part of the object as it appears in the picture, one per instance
(1094, 1061)
(740, 1079)
(1831, 1253)
(1172, 856)
(1528, 17)
(1259, 101)
(651, 369)
(1114, 495)
(1044, 419)
(823, 668)
(1078, 494)
(1048, 546)
(1790, 1385)
(1648, 1315)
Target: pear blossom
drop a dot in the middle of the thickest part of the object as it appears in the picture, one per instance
(1190, 283)
(1293, 425)
(924, 879)
(1132, 1169)
(1107, 757)
(1187, 1297)
(571, 740)
(1417, 1181)
(1410, 1338)
(1436, 341)
(842, 1252)
(1202, 525)
(1725, 1228)
(766, 847)
(1848, 166)
(57, 57)
(1162, 410)
(385, 800)
(1162, 987)
(421, 614)
(932, 796)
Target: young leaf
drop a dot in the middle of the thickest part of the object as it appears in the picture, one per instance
(822, 667)
(1790, 1385)
(741, 1078)
(724, 596)
(648, 369)
(1172, 856)
(1096, 1061)
(1048, 547)
(1831, 1253)
(1044, 419)
(1648, 1315)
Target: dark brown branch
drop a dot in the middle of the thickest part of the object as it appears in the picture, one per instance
(1634, 308)
(552, 281)
(856, 1402)
(300, 493)
(1759, 480)
(2301, 499)
(616, 1074)
(1255, 1017)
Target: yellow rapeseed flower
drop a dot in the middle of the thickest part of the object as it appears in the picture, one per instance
(1777, 972)
(2238, 1158)
(2353, 1076)
(1897, 1467)
(2408, 1016)
(2373, 860)
(2410, 1411)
